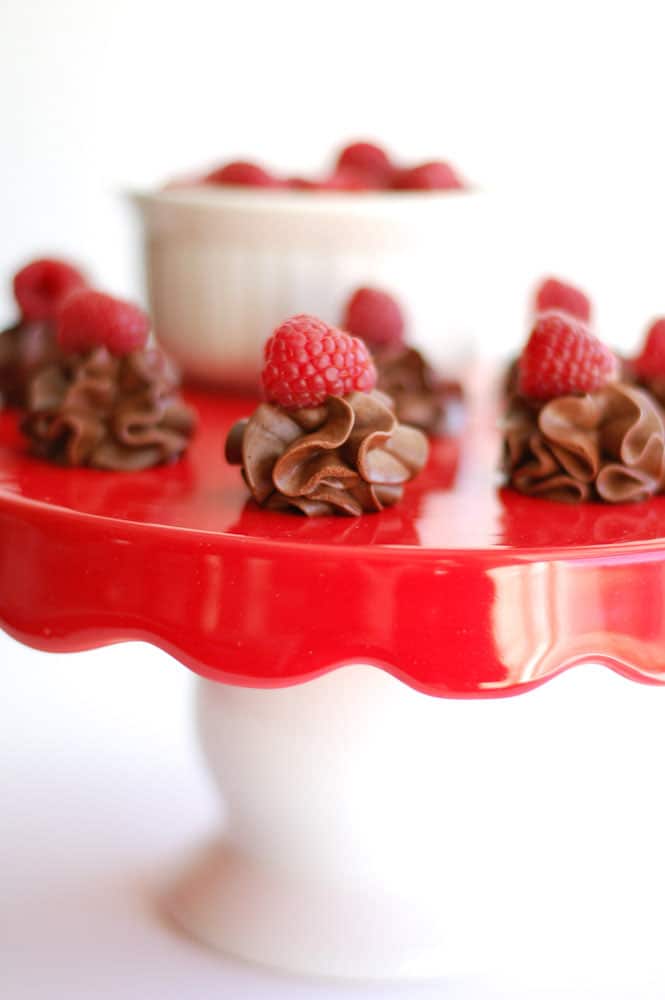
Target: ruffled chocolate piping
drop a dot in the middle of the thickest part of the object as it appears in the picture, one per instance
(348, 456)
(419, 396)
(609, 445)
(655, 386)
(509, 383)
(122, 414)
(24, 350)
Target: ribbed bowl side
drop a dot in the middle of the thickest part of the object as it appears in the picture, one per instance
(220, 278)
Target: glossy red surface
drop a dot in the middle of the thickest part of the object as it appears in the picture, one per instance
(463, 590)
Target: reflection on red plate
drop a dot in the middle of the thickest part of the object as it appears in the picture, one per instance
(464, 589)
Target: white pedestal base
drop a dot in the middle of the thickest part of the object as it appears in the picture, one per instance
(375, 832)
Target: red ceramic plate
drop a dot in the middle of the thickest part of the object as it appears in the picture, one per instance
(465, 589)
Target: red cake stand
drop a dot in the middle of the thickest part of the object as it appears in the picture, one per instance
(371, 829)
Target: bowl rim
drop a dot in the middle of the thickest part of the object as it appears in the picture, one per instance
(247, 200)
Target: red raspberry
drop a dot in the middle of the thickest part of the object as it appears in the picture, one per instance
(306, 360)
(562, 357)
(42, 285)
(366, 158)
(90, 319)
(347, 179)
(555, 294)
(434, 176)
(376, 317)
(242, 173)
(650, 363)
(303, 184)
(340, 180)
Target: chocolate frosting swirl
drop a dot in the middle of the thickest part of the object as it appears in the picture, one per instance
(510, 378)
(24, 349)
(106, 412)
(419, 396)
(347, 456)
(655, 385)
(608, 445)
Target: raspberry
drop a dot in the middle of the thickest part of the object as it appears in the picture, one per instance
(303, 184)
(42, 285)
(434, 176)
(366, 158)
(555, 294)
(650, 363)
(348, 179)
(341, 179)
(376, 317)
(90, 319)
(562, 357)
(306, 360)
(242, 173)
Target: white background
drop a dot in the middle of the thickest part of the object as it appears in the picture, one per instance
(555, 107)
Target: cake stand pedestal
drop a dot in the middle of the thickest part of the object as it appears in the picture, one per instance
(385, 806)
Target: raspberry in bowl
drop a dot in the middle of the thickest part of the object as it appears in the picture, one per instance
(226, 258)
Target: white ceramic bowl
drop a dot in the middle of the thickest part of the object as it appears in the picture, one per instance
(225, 266)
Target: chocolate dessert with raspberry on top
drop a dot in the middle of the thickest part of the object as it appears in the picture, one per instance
(421, 397)
(573, 432)
(30, 343)
(109, 401)
(325, 441)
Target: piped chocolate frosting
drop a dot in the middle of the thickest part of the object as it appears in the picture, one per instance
(510, 380)
(629, 372)
(608, 445)
(419, 396)
(120, 413)
(655, 385)
(348, 456)
(24, 349)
